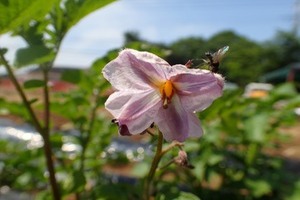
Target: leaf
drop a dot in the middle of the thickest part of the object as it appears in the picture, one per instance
(256, 127)
(72, 76)
(34, 83)
(3, 51)
(259, 187)
(75, 181)
(214, 159)
(199, 170)
(14, 13)
(79, 180)
(295, 194)
(187, 196)
(140, 170)
(32, 101)
(285, 90)
(251, 154)
(33, 55)
(78, 9)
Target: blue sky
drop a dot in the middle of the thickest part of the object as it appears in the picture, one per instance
(166, 21)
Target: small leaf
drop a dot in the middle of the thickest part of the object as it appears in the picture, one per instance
(295, 193)
(199, 170)
(79, 180)
(3, 51)
(140, 170)
(32, 101)
(33, 55)
(259, 187)
(71, 76)
(187, 196)
(34, 83)
(256, 127)
(285, 90)
(215, 159)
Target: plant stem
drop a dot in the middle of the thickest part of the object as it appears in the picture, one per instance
(158, 155)
(50, 165)
(86, 139)
(46, 136)
(46, 101)
(154, 166)
(43, 131)
(19, 89)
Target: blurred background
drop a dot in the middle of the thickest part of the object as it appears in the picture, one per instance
(250, 149)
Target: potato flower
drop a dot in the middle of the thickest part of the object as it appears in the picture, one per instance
(149, 90)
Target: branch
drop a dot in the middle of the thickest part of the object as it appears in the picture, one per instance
(19, 89)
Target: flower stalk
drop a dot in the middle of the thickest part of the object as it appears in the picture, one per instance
(160, 152)
(154, 165)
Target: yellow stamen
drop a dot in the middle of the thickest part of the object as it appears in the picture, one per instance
(166, 91)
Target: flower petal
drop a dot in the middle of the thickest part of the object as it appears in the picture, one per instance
(198, 89)
(176, 123)
(135, 109)
(135, 70)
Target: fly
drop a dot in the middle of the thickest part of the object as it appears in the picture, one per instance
(213, 59)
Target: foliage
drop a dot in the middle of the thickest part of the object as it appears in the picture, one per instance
(283, 49)
(232, 160)
(15, 13)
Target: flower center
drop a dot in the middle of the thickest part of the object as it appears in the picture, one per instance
(167, 91)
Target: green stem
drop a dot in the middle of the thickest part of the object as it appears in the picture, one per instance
(19, 89)
(43, 131)
(50, 165)
(46, 136)
(46, 101)
(86, 139)
(154, 166)
(158, 155)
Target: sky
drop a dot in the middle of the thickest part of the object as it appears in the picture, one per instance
(166, 21)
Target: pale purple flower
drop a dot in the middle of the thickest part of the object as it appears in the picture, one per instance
(149, 90)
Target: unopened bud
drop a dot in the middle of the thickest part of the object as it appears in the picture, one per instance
(182, 160)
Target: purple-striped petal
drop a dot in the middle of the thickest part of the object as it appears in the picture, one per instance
(135, 109)
(199, 89)
(135, 70)
(177, 123)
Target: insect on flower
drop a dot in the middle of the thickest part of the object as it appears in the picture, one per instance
(213, 59)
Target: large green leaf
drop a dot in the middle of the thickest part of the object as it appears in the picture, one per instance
(78, 9)
(14, 13)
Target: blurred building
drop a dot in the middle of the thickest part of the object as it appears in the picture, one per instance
(56, 84)
(289, 73)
